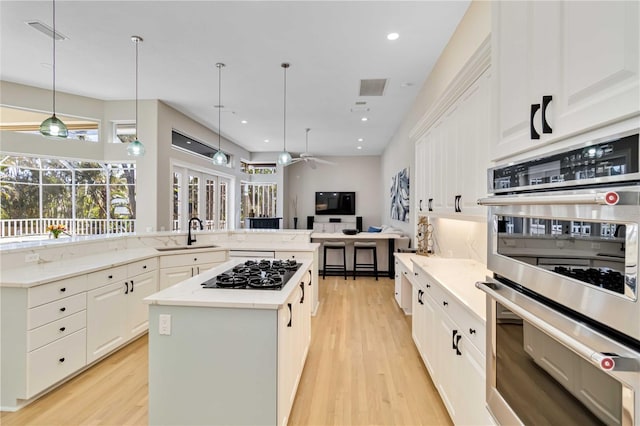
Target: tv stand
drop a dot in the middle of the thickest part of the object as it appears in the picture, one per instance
(331, 225)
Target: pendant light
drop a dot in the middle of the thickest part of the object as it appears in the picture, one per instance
(219, 158)
(136, 148)
(284, 158)
(53, 127)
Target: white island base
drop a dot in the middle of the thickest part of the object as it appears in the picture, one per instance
(227, 365)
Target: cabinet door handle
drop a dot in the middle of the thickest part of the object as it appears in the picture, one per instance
(472, 331)
(302, 288)
(110, 276)
(131, 286)
(63, 289)
(63, 309)
(61, 359)
(532, 129)
(453, 339)
(144, 266)
(428, 285)
(126, 287)
(458, 345)
(430, 205)
(195, 259)
(420, 205)
(310, 276)
(62, 329)
(290, 315)
(445, 303)
(545, 124)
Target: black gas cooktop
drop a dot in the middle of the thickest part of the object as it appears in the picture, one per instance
(255, 275)
(605, 278)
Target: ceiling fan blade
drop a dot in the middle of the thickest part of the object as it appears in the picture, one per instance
(320, 160)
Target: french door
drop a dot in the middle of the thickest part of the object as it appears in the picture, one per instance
(202, 195)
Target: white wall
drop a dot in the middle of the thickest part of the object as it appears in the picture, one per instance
(359, 174)
(474, 28)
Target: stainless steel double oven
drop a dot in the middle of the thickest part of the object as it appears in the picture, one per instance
(563, 341)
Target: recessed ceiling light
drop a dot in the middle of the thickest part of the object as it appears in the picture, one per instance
(364, 119)
(266, 140)
(244, 121)
(406, 84)
(359, 147)
(188, 142)
(393, 36)
(360, 139)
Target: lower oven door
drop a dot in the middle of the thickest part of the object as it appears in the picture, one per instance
(543, 367)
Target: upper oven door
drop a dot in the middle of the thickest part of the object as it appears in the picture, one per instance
(582, 254)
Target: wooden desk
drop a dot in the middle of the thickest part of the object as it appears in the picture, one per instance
(319, 237)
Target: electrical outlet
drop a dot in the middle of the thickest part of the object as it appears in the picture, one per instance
(32, 257)
(164, 326)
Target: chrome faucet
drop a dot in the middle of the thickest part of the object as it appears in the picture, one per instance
(191, 239)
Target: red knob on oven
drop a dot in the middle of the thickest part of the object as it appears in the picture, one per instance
(607, 363)
(611, 198)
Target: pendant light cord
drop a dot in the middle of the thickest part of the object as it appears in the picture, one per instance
(219, 104)
(54, 57)
(137, 41)
(284, 133)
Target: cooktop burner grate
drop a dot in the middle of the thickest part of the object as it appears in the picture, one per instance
(605, 278)
(258, 275)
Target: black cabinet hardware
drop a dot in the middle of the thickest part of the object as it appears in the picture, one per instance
(532, 129)
(302, 288)
(126, 287)
(428, 285)
(144, 266)
(63, 328)
(456, 204)
(131, 286)
(310, 276)
(472, 331)
(445, 303)
(63, 289)
(63, 309)
(453, 339)
(420, 293)
(545, 124)
(195, 259)
(415, 273)
(61, 360)
(110, 276)
(457, 345)
(420, 205)
(430, 205)
(290, 315)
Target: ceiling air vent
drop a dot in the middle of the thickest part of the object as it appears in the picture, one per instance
(372, 87)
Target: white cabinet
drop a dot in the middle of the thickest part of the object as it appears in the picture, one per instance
(403, 287)
(582, 54)
(451, 157)
(179, 267)
(312, 284)
(450, 340)
(115, 312)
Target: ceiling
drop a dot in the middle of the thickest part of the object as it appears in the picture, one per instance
(331, 46)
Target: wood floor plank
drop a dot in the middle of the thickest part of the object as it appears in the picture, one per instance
(362, 369)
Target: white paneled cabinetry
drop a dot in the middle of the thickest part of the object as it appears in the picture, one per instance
(585, 55)
(175, 268)
(451, 155)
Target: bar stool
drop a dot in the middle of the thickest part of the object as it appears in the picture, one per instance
(335, 245)
(365, 245)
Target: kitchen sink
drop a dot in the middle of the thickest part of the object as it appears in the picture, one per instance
(184, 248)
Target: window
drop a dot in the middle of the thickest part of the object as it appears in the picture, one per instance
(89, 198)
(258, 168)
(205, 197)
(124, 132)
(258, 200)
(185, 143)
(18, 120)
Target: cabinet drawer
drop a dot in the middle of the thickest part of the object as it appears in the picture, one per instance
(294, 255)
(53, 311)
(147, 265)
(56, 290)
(55, 330)
(106, 276)
(191, 259)
(471, 326)
(54, 362)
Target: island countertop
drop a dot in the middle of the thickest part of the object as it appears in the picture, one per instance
(191, 293)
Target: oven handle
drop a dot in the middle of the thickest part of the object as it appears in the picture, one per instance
(598, 198)
(604, 360)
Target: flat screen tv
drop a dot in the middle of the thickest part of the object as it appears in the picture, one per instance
(335, 203)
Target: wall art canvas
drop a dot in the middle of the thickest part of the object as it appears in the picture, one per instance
(400, 195)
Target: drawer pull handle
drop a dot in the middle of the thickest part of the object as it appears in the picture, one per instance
(126, 287)
(415, 273)
(195, 259)
(472, 331)
(144, 266)
(131, 286)
(61, 359)
(428, 285)
(110, 276)
(63, 289)
(63, 309)
(63, 328)
(445, 303)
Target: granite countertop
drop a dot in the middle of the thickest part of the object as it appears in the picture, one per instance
(190, 292)
(456, 276)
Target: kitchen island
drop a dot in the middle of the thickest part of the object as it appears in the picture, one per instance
(227, 356)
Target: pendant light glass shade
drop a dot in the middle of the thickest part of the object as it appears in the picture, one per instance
(284, 158)
(135, 147)
(219, 158)
(53, 127)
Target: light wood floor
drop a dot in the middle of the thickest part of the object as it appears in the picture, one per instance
(362, 369)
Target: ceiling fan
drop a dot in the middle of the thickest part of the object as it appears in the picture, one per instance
(308, 158)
